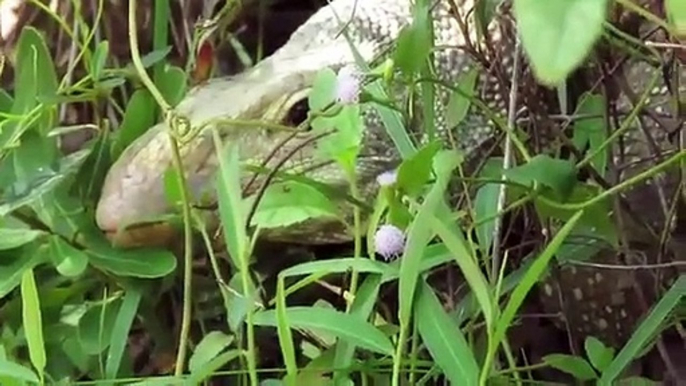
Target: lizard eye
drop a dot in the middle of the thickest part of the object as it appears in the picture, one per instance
(298, 113)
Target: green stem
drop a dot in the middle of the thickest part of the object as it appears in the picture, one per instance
(172, 122)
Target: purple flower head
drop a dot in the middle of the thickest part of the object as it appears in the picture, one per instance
(387, 178)
(348, 83)
(389, 241)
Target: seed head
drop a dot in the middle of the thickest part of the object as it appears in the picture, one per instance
(387, 178)
(348, 83)
(389, 241)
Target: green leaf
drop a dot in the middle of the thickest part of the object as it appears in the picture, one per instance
(323, 89)
(415, 171)
(172, 83)
(592, 129)
(343, 145)
(33, 321)
(231, 209)
(599, 354)
(99, 59)
(557, 35)
(557, 174)
(96, 325)
(292, 202)
(120, 331)
(530, 278)
(460, 100)
(210, 367)
(209, 347)
(141, 263)
(36, 76)
(414, 41)
(443, 338)
(18, 372)
(485, 205)
(11, 274)
(339, 265)
(30, 191)
(419, 234)
(11, 238)
(337, 323)
(577, 367)
(68, 260)
(646, 330)
(676, 15)
(139, 116)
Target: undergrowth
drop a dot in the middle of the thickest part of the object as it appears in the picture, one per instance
(72, 303)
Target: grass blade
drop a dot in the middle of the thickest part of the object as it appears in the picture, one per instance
(120, 331)
(645, 331)
(443, 338)
(337, 323)
(33, 322)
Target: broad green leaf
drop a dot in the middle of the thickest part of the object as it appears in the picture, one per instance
(460, 101)
(139, 116)
(323, 90)
(646, 330)
(443, 338)
(557, 35)
(68, 260)
(36, 76)
(342, 325)
(96, 325)
(578, 367)
(120, 331)
(209, 347)
(676, 15)
(291, 202)
(556, 174)
(599, 354)
(11, 238)
(591, 129)
(343, 145)
(33, 321)
(141, 263)
(172, 84)
(28, 192)
(415, 172)
(11, 274)
(414, 42)
(17, 371)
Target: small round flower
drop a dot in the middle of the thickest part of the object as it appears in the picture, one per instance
(389, 241)
(387, 178)
(348, 83)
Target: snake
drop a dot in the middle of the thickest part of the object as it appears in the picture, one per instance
(275, 92)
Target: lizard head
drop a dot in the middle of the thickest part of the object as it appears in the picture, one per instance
(245, 109)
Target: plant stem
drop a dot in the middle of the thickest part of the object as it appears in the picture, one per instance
(172, 122)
